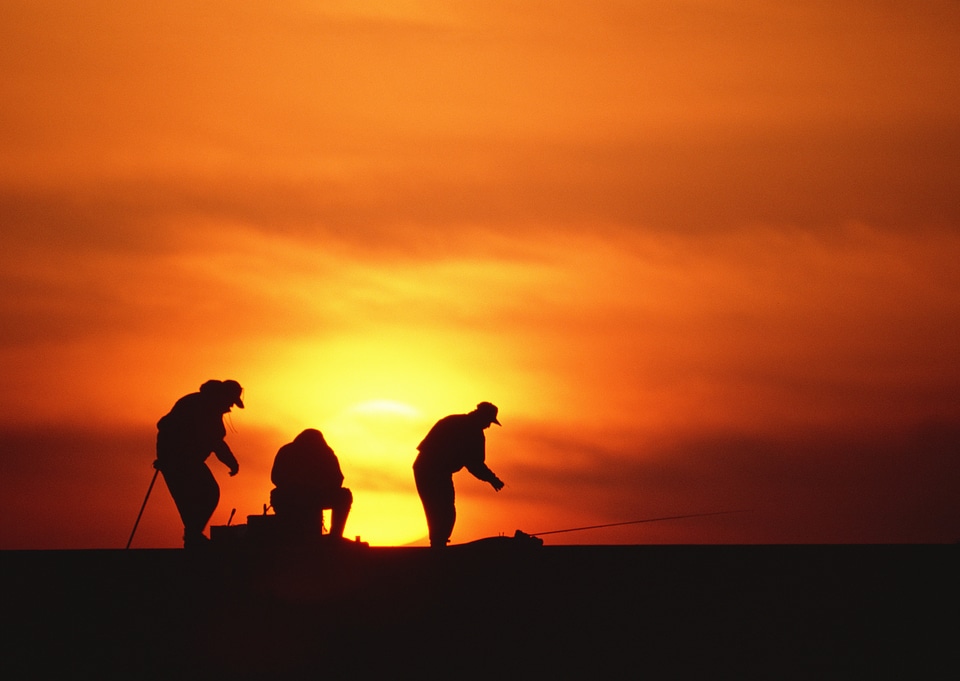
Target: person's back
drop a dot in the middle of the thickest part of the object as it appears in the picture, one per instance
(454, 442)
(306, 467)
(189, 432)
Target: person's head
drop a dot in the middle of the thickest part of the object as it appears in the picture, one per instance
(487, 414)
(311, 438)
(224, 394)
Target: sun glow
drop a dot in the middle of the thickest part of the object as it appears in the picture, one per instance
(379, 436)
(387, 519)
(370, 376)
(373, 407)
(387, 407)
(376, 440)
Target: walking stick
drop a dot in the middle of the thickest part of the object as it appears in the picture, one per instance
(139, 515)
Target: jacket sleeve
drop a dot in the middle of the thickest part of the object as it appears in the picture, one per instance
(223, 452)
(475, 452)
(482, 472)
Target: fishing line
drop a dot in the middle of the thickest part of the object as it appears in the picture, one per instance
(636, 522)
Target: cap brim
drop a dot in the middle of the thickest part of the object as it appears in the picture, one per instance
(238, 402)
(497, 422)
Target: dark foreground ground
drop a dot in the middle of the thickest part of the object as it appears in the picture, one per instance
(494, 608)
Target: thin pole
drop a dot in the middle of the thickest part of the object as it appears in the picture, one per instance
(143, 506)
(634, 522)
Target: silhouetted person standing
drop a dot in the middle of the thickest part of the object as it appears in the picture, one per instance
(454, 442)
(185, 438)
(308, 479)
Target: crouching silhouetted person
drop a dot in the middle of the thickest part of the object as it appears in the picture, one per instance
(308, 479)
(185, 438)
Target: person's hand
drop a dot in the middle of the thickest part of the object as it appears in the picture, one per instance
(234, 471)
(497, 484)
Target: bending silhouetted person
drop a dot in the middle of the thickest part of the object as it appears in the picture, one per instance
(185, 438)
(454, 442)
(308, 479)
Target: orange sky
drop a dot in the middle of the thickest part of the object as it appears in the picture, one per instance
(703, 255)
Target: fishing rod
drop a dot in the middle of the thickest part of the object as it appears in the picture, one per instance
(636, 522)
